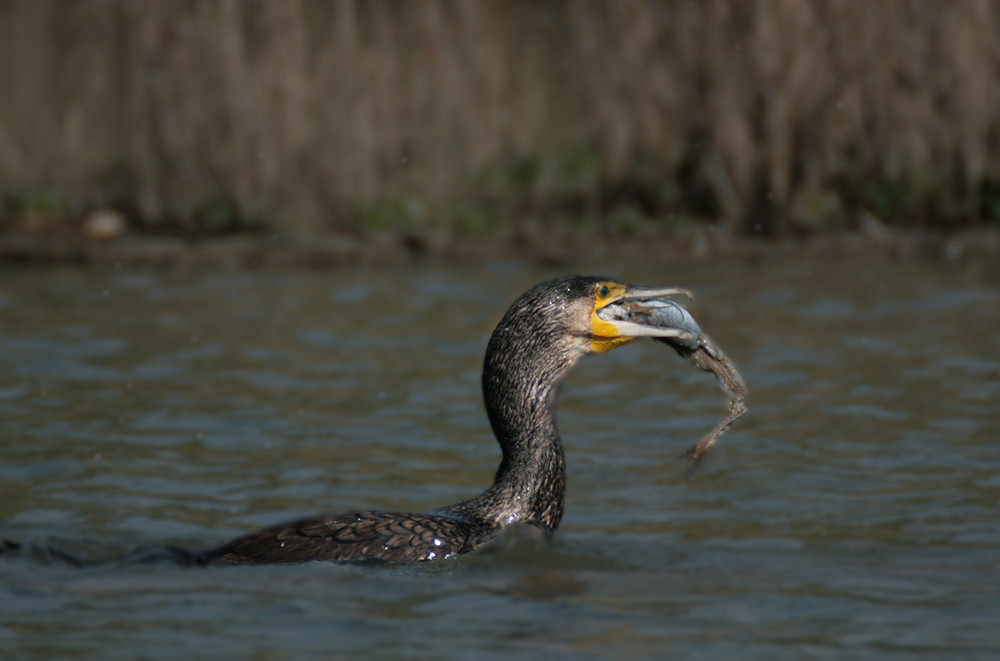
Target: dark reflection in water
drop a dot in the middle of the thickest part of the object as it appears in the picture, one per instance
(852, 514)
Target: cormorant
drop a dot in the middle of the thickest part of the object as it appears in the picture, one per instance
(539, 339)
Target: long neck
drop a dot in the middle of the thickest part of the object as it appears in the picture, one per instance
(521, 375)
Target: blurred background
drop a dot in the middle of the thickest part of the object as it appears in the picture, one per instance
(824, 175)
(497, 121)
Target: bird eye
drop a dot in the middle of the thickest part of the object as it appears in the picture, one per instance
(603, 291)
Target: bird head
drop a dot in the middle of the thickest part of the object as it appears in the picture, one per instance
(590, 314)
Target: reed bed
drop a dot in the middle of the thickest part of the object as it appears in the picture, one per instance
(772, 117)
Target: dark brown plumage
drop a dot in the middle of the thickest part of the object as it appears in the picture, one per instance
(539, 339)
(356, 537)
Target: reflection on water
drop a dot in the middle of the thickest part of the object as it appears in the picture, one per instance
(852, 513)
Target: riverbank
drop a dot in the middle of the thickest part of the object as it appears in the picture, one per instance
(275, 251)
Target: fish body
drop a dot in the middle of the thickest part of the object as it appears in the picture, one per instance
(695, 346)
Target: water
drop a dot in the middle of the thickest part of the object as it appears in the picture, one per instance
(852, 514)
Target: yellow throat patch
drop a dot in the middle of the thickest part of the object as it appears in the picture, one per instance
(604, 334)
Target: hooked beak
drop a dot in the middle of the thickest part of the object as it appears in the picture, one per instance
(649, 312)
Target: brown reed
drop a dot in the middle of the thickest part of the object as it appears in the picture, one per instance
(771, 116)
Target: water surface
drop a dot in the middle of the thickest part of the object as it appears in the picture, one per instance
(852, 514)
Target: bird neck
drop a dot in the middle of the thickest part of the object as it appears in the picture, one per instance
(521, 377)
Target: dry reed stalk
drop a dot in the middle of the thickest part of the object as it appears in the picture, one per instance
(787, 115)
